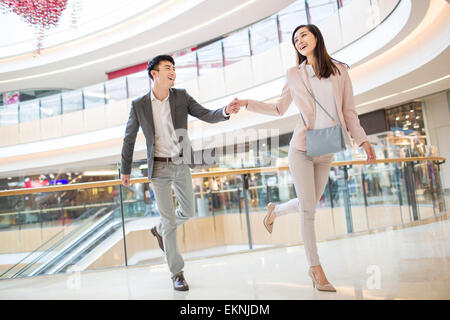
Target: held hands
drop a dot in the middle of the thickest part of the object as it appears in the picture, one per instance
(239, 103)
(235, 105)
(371, 157)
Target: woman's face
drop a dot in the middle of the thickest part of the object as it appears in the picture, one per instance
(304, 41)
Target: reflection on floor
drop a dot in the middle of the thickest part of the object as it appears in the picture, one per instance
(408, 263)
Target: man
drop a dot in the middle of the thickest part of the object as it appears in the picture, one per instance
(162, 115)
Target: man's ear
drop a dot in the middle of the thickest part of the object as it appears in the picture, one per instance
(153, 73)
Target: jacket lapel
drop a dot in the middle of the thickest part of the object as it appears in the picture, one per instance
(172, 106)
(148, 111)
(337, 100)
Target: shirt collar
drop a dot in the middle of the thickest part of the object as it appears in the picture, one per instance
(310, 71)
(308, 68)
(302, 64)
(152, 96)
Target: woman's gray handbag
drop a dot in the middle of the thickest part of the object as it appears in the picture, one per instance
(323, 141)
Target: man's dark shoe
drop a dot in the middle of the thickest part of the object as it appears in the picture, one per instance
(179, 283)
(158, 237)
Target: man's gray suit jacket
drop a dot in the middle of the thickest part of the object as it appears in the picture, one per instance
(181, 105)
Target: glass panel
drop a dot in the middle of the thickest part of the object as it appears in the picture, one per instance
(138, 84)
(116, 90)
(438, 189)
(321, 9)
(72, 101)
(141, 214)
(236, 46)
(278, 188)
(47, 233)
(218, 225)
(264, 35)
(186, 67)
(357, 200)
(399, 191)
(346, 2)
(9, 114)
(425, 195)
(29, 110)
(51, 106)
(62, 230)
(290, 18)
(210, 57)
(94, 96)
(384, 195)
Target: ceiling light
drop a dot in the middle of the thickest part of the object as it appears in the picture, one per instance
(401, 92)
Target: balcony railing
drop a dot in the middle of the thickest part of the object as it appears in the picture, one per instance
(102, 224)
(232, 48)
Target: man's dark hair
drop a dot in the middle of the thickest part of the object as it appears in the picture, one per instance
(153, 64)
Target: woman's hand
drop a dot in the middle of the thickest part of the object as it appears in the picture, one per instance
(240, 103)
(371, 157)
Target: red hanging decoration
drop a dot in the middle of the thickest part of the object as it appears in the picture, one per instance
(42, 14)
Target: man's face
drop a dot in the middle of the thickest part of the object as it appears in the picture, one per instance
(164, 74)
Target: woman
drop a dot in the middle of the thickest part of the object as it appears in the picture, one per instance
(328, 80)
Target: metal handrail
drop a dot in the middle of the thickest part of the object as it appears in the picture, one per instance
(206, 174)
(219, 173)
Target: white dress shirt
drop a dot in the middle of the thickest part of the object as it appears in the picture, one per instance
(322, 89)
(166, 141)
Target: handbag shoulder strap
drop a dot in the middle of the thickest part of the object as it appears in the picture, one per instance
(316, 101)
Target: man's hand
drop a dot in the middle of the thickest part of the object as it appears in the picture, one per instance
(371, 157)
(125, 179)
(232, 108)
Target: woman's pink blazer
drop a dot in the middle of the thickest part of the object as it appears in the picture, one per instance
(294, 90)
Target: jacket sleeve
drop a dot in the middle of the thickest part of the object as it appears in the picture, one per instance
(195, 109)
(129, 141)
(274, 109)
(349, 112)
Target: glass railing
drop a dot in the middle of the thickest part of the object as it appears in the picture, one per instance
(232, 48)
(103, 224)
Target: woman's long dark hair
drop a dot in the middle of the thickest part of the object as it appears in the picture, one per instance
(324, 62)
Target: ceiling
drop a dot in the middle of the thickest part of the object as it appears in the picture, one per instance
(72, 59)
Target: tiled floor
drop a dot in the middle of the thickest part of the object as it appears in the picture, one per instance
(408, 263)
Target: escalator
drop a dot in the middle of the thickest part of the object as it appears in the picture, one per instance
(61, 251)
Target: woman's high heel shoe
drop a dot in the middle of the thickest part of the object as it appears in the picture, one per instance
(270, 211)
(321, 287)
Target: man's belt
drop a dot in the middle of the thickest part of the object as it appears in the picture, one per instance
(163, 159)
